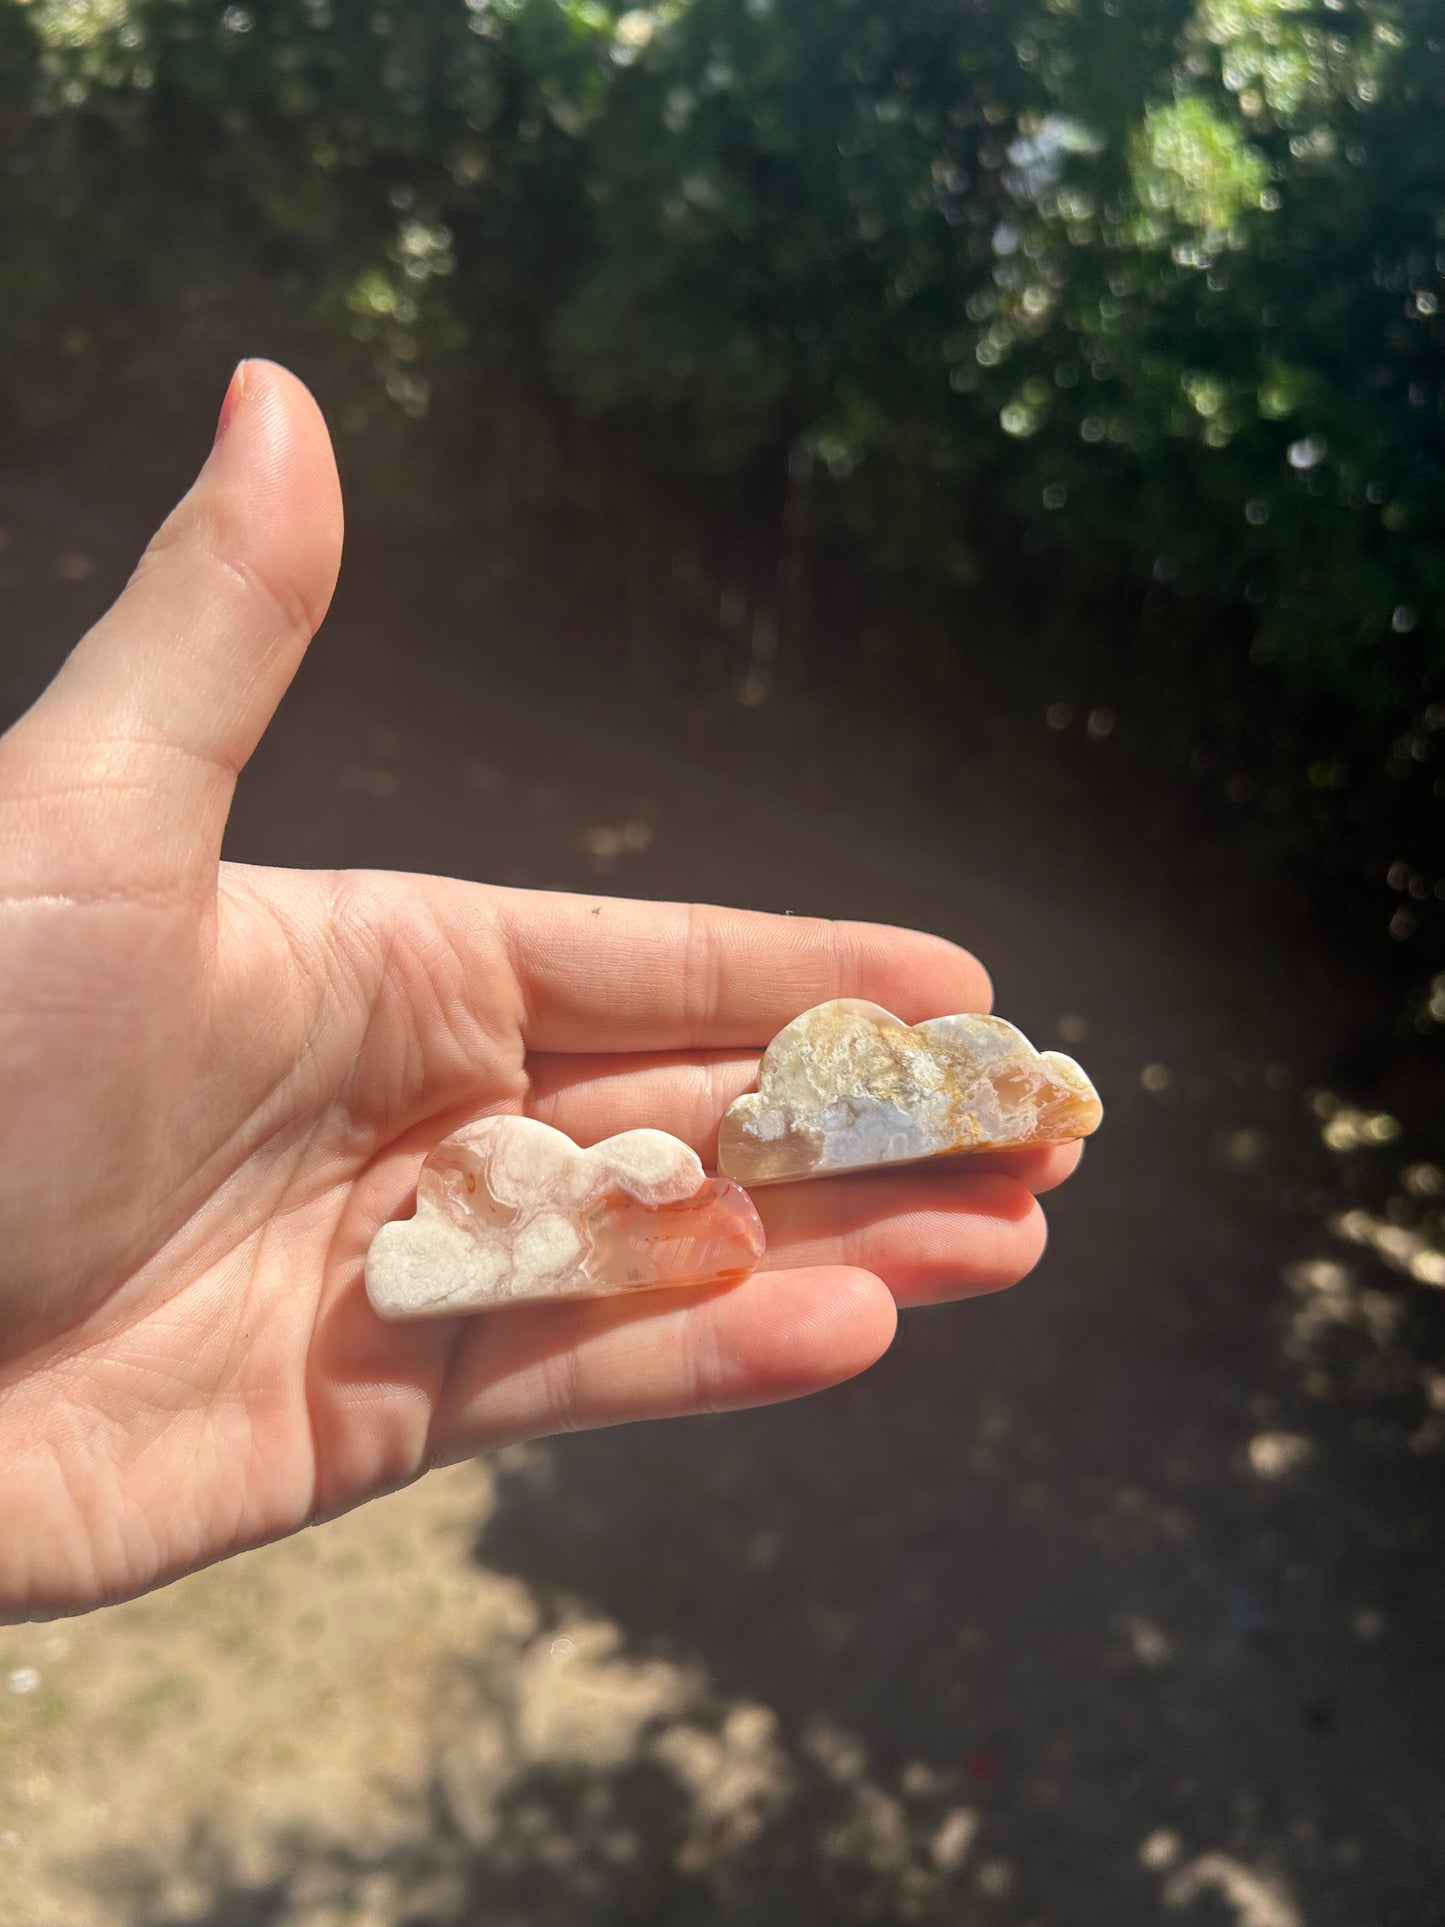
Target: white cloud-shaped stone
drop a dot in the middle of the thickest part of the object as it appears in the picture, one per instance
(510, 1211)
(849, 1087)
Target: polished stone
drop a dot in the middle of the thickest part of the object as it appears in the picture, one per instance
(511, 1212)
(850, 1087)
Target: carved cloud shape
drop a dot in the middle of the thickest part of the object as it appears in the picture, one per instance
(849, 1087)
(510, 1211)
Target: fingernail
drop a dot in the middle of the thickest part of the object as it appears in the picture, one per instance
(232, 402)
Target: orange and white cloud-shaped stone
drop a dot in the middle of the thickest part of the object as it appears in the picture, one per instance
(509, 1211)
(848, 1087)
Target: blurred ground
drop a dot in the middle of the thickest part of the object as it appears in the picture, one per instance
(1111, 1601)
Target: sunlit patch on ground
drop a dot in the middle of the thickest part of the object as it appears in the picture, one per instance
(363, 1722)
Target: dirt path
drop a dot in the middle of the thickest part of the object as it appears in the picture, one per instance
(1112, 1601)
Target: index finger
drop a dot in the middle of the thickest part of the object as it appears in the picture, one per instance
(608, 974)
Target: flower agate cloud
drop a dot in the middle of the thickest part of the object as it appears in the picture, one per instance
(849, 1087)
(509, 1211)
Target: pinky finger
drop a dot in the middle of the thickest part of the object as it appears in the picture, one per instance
(536, 1371)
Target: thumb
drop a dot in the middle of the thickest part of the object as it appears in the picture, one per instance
(159, 707)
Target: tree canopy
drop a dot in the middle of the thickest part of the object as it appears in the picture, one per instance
(1156, 283)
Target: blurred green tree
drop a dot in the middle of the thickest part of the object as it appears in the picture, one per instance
(1150, 286)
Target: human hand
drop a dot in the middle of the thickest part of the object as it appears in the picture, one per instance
(220, 1080)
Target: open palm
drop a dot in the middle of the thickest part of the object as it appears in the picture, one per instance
(219, 1080)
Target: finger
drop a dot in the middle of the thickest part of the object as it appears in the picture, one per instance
(1038, 1167)
(686, 1092)
(604, 974)
(161, 704)
(928, 1238)
(565, 1368)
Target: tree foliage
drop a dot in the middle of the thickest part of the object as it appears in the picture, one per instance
(1154, 283)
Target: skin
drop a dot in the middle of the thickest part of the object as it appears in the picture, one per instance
(220, 1080)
